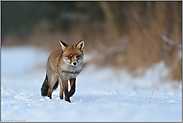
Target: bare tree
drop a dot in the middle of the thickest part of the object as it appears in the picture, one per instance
(178, 50)
(171, 42)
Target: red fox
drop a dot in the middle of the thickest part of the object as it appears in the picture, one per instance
(63, 65)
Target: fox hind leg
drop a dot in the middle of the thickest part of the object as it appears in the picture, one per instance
(50, 93)
(61, 89)
(52, 84)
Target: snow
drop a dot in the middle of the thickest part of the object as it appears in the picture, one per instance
(102, 94)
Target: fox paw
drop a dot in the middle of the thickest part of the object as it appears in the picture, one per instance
(68, 100)
(61, 97)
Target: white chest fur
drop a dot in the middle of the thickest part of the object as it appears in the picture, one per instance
(68, 71)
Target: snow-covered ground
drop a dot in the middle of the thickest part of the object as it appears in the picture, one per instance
(102, 94)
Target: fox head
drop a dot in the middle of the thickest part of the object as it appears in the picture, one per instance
(72, 54)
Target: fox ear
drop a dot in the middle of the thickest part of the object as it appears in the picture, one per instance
(80, 45)
(63, 45)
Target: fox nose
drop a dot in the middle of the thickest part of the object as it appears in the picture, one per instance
(74, 63)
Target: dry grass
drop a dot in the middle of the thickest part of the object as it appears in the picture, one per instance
(138, 46)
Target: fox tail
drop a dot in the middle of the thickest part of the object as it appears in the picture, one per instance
(45, 87)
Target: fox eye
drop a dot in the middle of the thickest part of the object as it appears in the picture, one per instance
(70, 56)
(77, 56)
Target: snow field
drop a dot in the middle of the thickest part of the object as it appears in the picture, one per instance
(102, 94)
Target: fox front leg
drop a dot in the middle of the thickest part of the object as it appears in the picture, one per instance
(65, 89)
(73, 85)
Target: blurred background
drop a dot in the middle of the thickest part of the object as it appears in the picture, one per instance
(128, 35)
